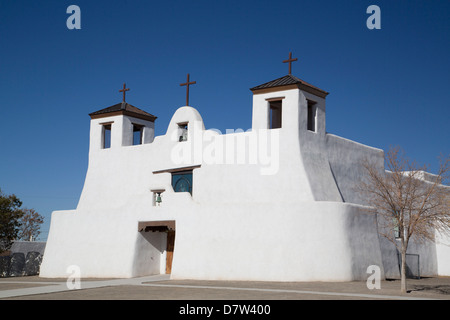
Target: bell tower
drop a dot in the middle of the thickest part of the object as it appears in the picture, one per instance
(121, 125)
(289, 103)
(297, 109)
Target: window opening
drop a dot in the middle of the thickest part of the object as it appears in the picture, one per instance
(106, 139)
(182, 132)
(182, 181)
(312, 116)
(275, 114)
(137, 134)
(157, 197)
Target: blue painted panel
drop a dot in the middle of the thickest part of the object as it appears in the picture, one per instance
(182, 182)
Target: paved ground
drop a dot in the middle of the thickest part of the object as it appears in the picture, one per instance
(161, 288)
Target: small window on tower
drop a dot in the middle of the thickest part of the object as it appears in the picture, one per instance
(106, 136)
(312, 115)
(137, 134)
(275, 114)
(182, 131)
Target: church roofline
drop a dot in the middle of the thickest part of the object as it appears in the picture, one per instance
(123, 108)
(288, 82)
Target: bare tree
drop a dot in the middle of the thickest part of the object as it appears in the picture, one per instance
(30, 224)
(410, 203)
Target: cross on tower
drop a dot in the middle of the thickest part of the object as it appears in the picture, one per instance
(187, 88)
(124, 90)
(290, 60)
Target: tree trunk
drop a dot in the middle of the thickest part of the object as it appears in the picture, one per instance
(403, 271)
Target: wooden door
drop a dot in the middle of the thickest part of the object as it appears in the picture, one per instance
(169, 251)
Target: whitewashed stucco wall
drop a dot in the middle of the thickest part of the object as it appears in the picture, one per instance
(281, 215)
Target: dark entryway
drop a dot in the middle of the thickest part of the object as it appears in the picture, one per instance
(162, 226)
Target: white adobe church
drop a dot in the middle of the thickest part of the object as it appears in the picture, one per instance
(276, 203)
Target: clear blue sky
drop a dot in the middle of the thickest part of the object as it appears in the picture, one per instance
(387, 87)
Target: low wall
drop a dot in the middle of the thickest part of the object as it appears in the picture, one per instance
(24, 259)
(317, 241)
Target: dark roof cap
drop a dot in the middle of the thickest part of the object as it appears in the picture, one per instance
(124, 109)
(290, 80)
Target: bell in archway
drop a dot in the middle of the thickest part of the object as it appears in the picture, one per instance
(158, 198)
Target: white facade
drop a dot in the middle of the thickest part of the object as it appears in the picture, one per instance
(267, 204)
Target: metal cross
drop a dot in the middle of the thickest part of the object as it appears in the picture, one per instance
(187, 88)
(290, 60)
(124, 90)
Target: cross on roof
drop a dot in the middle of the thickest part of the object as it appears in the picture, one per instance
(290, 60)
(124, 90)
(187, 83)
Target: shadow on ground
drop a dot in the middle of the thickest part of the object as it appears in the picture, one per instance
(441, 289)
